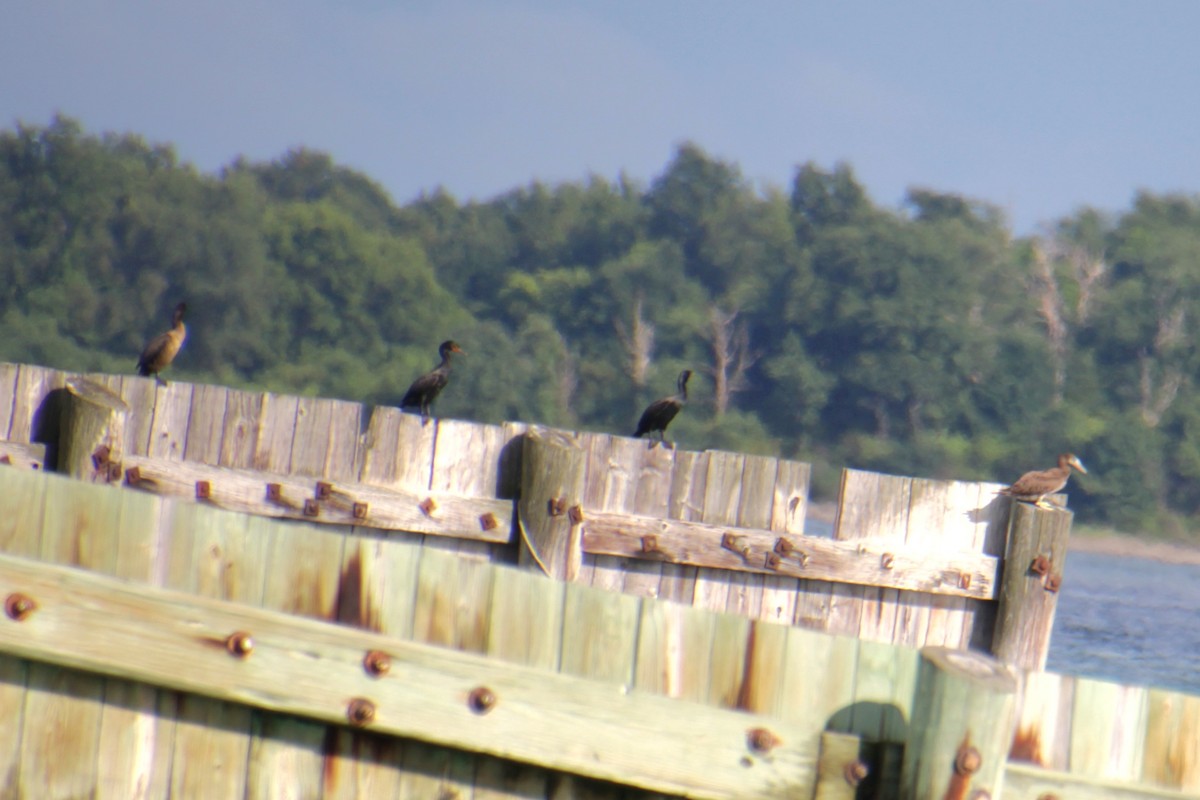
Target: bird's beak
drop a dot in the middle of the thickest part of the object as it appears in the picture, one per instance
(1079, 466)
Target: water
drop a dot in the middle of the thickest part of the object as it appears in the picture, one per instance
(1129, 620)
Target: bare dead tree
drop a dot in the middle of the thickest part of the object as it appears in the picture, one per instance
(638, 341)
(1157, 399)
(729, 341)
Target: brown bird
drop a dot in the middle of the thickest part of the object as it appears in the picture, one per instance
(1034, 486)
(658, 415)
(162, 349)
(425, 389)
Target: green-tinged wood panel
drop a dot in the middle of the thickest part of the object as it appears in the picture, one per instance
(1042, 735)
(303, 572)
(822, 675)
(652, 497)
(674, 641)
(1172, 754)
(789, 509)
(599, 634)
(722, 491)
(301, 666)
(756, 497)
(686, 503)
(217, 555)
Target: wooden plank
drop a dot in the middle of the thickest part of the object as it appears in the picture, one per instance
(756, 501)
(395, 509)
(286, 753)
(839, 751)
(311, 436)
(1023, 782)
(399, 450)
(1108, 728)
(885, 679)
(1043, 726)
(466, 463)
(139, 394)
(240, 428)
(64, 707)
(600, 634)
(751, 550)
(732, 647)
(687, 503)
(211, 554)
(674, 642)
(90, 622)
(822, 698)
(32, 419)
(652, 497)
(276, 432)
(721, 493)
(206, 424)
(612, 468)
(169, 426)
(789, 510)
(137, 727)
(452, 602)
(8, 393)
(1172, 754)
(23, 456)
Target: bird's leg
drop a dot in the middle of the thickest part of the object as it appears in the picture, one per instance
(1041, 502)
(159, 379)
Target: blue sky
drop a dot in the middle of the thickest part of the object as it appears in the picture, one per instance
(1037, 107)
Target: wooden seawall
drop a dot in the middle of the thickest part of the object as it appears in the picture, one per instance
(140, 688)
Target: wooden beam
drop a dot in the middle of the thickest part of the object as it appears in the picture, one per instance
(1025, 782)
(891, 565)
(23, 456)
(92, 431)
(316, 670)
(341, 503)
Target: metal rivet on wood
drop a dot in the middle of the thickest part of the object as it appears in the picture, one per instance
(427, 506)
(359, 510)
(133, 476)
(489, 522)
(324, 490)
(100, 457)
(377, 663)
(967, 761)
(481, 700)
(650, 544)
(738, 544)
(964, 580)
(575, 514)
(311, 507)
(784, 547)
(1053, 582)
(114, 471)
(361, 712)
(888, 561)
(1040, 566)
(274, 493)
(240, 644)
(761, 740)
(19, 606)
(856, 772)
(556, 506)
(203, 490)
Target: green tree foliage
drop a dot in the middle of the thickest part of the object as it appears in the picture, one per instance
(922, 340)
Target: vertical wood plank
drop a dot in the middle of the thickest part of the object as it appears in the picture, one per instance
(720, 507)
(221, 555)
(1172, 749)
(399, 450)
(652, 497)
(8, 395)
(169, 425)
(206, 424)
(789, 510)
(599, 634)
(466, 462)
(821, 699)
(33, 384)
(139, 394)
(1108, 725)
(612, 467)
(674, 643)
(686, 503)
(137, 728)
(1043, 720)
(240, 428)
(756, 501)
(64, 707)
(276, 431)
(304, 572)
(452, 602)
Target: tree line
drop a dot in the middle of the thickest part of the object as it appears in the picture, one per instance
(923, 340)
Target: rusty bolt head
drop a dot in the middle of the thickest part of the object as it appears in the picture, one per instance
(968, 761)
(888, 561)
(311, 507)
(481, 700)
(1040, 565)
(575, 514)
(1053, 582)
(856, 772)
(114, 471)
(1047, 796)
(650, 543)
(360, 712)
(773, 560)
(803, 559)
(19, 606)
(377, 663)
(240, 644)
(556, 506)
(324, 490)
(981, 794)
(359, 510)
(274, 492)
(133, 476)
(101, 457)
(427, 506)
(761, 740)
(964, 580)
(203, 490)
(784, 547)
(489, 522)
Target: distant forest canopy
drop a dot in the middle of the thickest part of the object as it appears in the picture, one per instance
(924, 340)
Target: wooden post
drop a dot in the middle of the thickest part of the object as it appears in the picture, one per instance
(1029, 585)
(961, 726)
(549, 510)
(840, 770)
(92, 431)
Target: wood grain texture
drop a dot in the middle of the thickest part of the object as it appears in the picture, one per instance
(639, 739)
(8, 391)
(552, 470)
(1172, 750)
(1108, 729)
(1043, 720)
(1024, 782)
(394, 509)
(32, 418)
